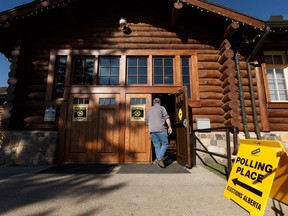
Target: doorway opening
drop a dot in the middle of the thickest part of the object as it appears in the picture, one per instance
(168, 101)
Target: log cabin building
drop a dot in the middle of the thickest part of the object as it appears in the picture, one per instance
(83, 73)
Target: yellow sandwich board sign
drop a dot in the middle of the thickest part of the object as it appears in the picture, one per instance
(279, 190)
(252, 174)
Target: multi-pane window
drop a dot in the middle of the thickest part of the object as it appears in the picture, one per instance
(148, 68)
(137, 70)
(162, 70)
(109, 70)
(107, 101)
(277, 73)
(83, 68)
(60, 74)
(134, 101)
(80, 100)
(186, 74)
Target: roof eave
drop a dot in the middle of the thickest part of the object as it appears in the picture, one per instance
(278, 24)
(31, 8)
(228, 13)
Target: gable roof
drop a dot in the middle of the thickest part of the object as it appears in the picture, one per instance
(226, 12)
(39, 6)
(30, 9)
(45, 16)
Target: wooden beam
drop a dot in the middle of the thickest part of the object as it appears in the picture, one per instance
(227, 64)
(229, 72)
(176, 12)
(232, 114)
(230, 30)
(227, 54)
(264, 115)
(231, 96)
(224, 45)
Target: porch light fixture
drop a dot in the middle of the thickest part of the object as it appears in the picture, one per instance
(123, 24)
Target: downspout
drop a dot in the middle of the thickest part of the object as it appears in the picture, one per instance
(254, 51)
(241, 95)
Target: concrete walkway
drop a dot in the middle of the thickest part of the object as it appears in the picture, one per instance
(25, 192)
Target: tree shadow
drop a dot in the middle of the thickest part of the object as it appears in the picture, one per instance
(46, 188)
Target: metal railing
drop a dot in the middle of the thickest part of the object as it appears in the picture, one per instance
(229, 130)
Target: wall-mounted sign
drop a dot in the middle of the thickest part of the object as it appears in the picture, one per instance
(50, 114)
(137, 112)
(80, 112)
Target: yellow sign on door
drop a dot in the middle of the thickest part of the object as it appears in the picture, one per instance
(180, 114)
(252, 174)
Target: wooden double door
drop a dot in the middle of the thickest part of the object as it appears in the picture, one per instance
(101, 128)
(111, 128)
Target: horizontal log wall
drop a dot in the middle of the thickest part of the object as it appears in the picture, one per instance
(278, 117)
(216, 67)
(152, 33)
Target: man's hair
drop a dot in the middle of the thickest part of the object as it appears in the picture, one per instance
(156, 100)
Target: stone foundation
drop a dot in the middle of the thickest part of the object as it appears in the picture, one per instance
(216, 142)
(25, 148)
(281, 136)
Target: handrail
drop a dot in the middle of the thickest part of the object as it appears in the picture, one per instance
(228, 129)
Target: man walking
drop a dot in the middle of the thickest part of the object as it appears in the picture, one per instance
(156, 117)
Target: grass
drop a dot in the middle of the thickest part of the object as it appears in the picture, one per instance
(219, 169)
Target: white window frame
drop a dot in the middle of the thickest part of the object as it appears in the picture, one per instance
(283, 66)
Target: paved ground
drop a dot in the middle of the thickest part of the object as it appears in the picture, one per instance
(27, 192)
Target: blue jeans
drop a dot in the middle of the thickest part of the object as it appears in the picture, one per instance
(160, 142)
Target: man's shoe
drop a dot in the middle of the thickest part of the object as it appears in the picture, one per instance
(160, 163)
